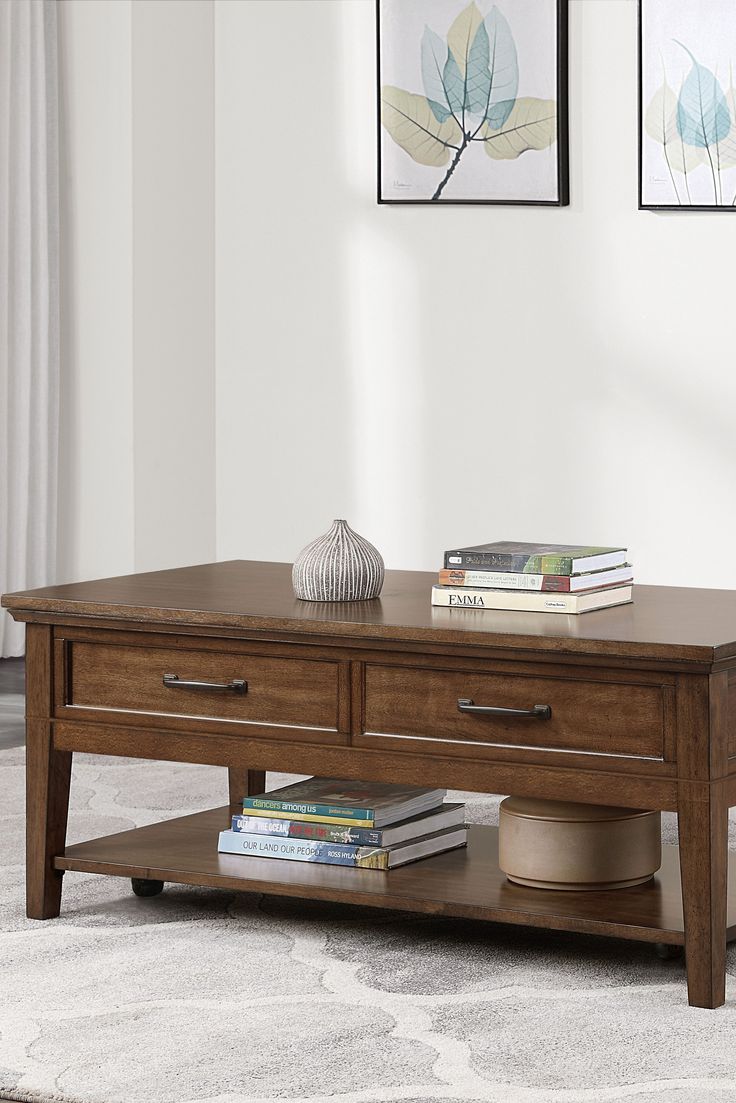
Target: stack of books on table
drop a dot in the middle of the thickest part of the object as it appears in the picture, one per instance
(371, 825)
(540, 578)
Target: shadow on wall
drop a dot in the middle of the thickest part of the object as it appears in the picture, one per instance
(535, 373)
(451, 438)
(284, 451)
(453, 375)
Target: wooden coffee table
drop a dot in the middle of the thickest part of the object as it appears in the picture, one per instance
(642, 701)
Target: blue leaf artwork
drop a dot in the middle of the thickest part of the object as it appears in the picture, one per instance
(688, 151)
(478, 76)
(471, 83)
(454, 84)
(434, 58)
(504, 69)
(703, 118)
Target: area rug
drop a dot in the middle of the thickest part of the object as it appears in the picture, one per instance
(204, 996)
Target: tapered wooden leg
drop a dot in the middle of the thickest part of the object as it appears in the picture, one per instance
(244, 783)
(703, 831)
(48, 773)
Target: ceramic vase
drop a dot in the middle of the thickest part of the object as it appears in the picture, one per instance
(339, 566)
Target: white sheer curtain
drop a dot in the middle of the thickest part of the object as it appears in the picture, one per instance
(29, 300)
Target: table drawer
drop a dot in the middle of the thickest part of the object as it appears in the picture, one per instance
(594, 716)
(296, 693)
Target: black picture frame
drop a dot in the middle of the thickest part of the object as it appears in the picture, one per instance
(563, 129)
(711, 207)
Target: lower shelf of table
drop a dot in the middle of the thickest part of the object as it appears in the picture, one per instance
(465, 883)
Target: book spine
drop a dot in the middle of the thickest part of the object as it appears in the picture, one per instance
(302, 850)
(306, 817)
(263, 806)
(493, 599)
(505, 580)
(298, 829)
(508, 562)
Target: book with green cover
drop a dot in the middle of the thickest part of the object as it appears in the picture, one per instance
(330, 800)
(542, 559)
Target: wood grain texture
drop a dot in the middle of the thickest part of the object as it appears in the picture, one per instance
(602, 716)
(48, 776)
(701, 704)
(719, 720)
(244, 783)
(663, 622)
(362, 646)
(525, 754)
(731, 709)
(464, 882)
(702, 765)
(703, 836)
(39, 671)
(337, 649)
(377, 764)
(291, 692)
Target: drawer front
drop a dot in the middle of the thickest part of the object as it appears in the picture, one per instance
(296, 693)
(601, 717)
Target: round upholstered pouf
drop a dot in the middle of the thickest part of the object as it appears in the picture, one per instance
(551, 844)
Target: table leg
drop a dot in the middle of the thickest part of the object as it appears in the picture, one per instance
(48, 773)
(244, 783)
(703, 832)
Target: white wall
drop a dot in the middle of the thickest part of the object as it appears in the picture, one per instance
(435, 376)
(463, 374)
(96, 492)
(173, 283)
(137, 437)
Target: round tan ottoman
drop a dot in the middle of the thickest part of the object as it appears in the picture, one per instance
(551, 844)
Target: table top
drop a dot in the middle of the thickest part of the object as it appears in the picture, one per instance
(663, 622)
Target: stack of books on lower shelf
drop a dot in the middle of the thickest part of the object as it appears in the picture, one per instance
(539, 578)
(370, 825)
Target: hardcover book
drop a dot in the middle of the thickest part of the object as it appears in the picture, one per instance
(340, 854)
(544, 559)
(447, 815)
(530, 602)
(549, 583)
(358, 803)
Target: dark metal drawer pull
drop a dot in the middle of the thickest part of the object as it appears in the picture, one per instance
(539, 712)
(173, 681)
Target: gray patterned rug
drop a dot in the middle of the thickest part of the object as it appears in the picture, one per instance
(200, 996)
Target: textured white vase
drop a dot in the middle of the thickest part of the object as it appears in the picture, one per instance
(339, 566)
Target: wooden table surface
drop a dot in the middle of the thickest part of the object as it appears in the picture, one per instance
(666, 622)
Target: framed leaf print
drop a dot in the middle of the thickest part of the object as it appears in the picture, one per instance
(687, 105)
(472, 101)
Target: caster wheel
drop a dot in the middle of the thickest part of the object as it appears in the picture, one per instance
(667, 952)
(143, 887)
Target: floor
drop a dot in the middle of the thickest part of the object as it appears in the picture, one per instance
(12, 703)
(208, 996)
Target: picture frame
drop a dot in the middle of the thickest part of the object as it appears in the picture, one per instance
(439, 112)
(687, 105)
